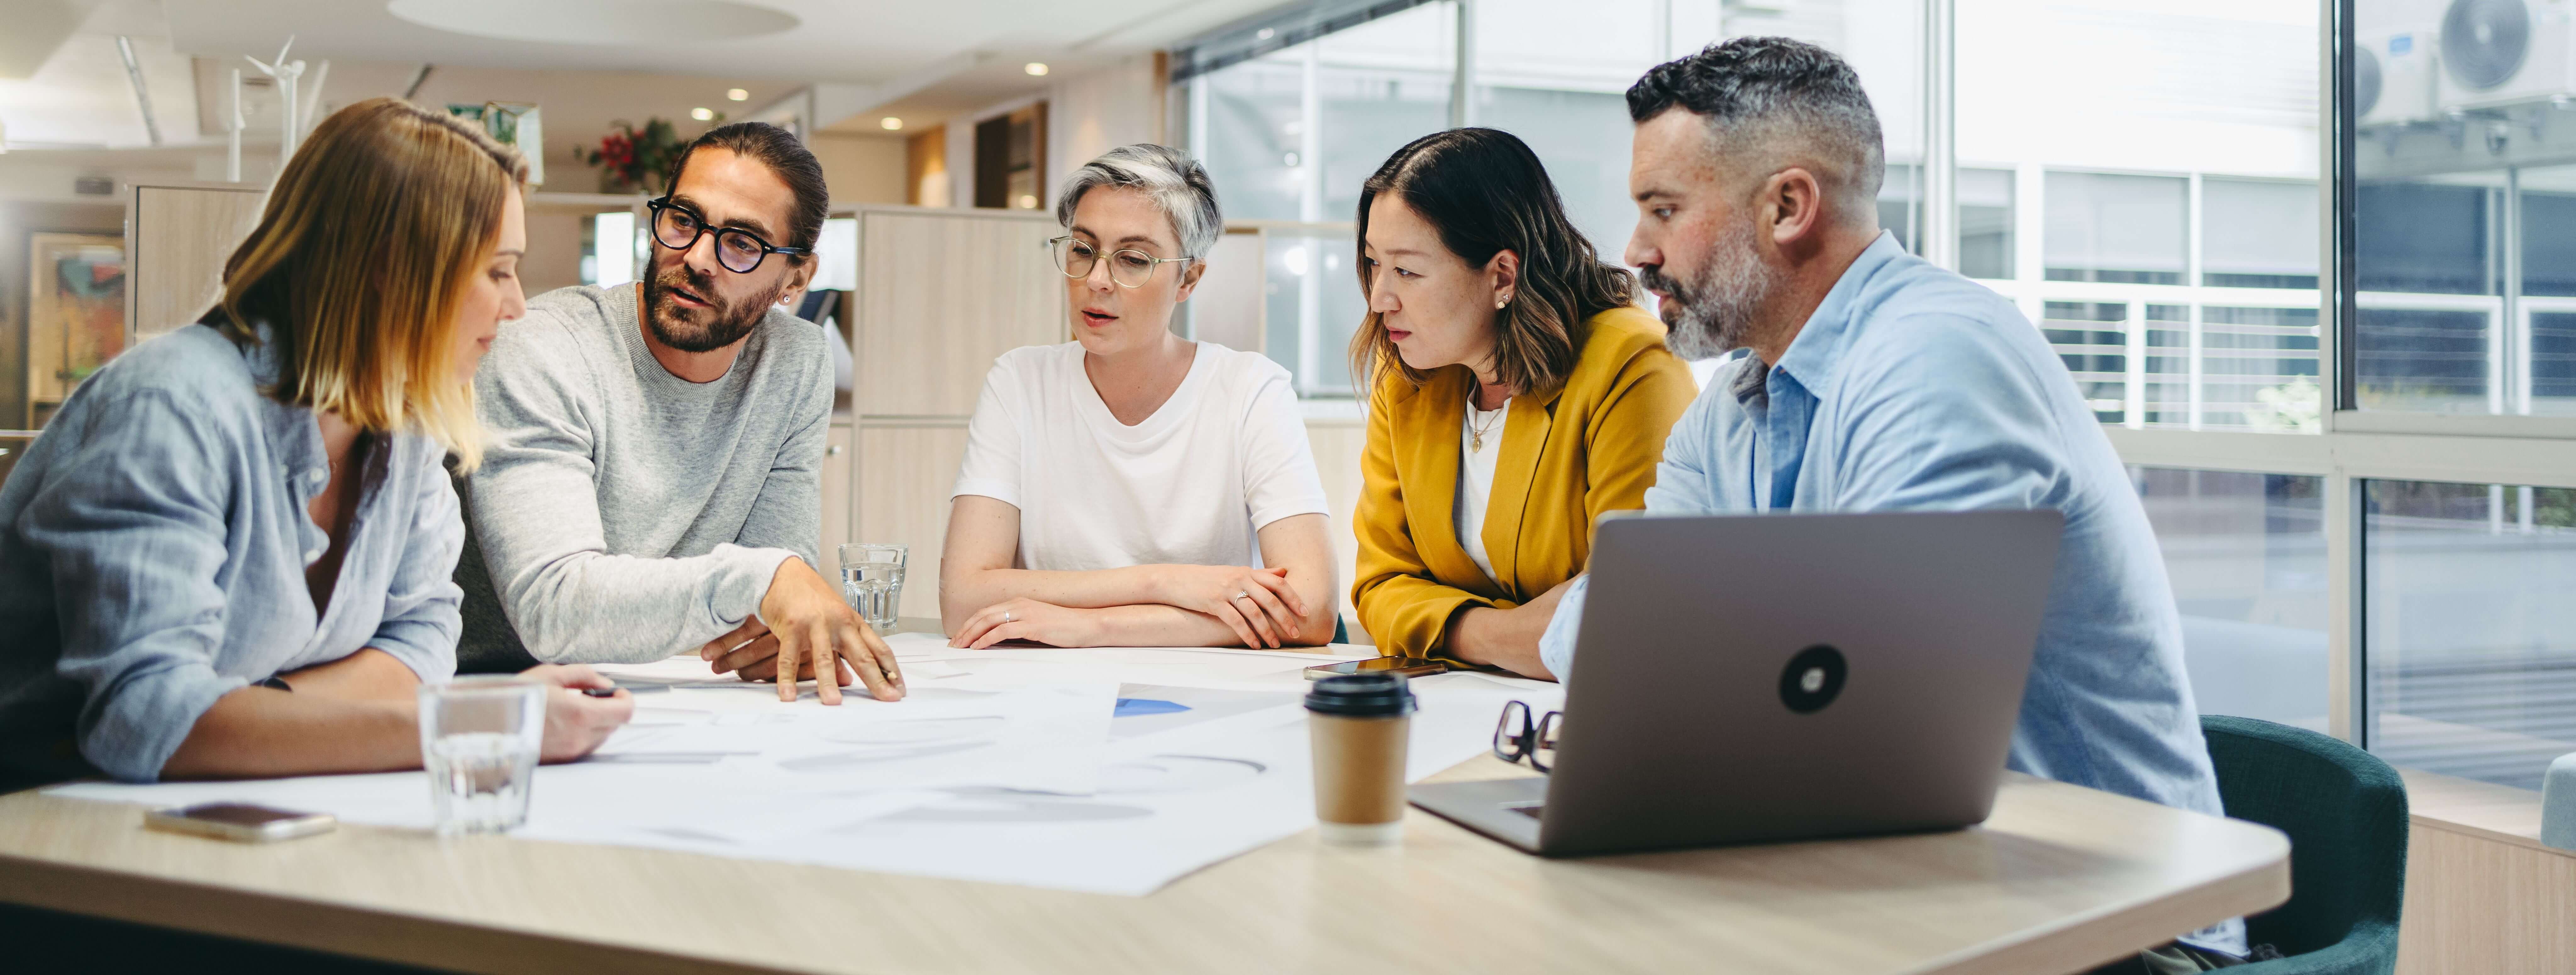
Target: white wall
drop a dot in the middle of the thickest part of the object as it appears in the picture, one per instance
(861, 168)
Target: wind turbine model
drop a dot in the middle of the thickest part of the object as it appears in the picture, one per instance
(288, 74)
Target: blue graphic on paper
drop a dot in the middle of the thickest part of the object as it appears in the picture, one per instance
(1137, 707)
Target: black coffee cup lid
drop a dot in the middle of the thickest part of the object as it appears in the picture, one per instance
(1361, 695)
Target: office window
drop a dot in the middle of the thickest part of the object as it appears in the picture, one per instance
(1560, 82)
(2247, 557)
(2464, 217)
(1985, 223)
(1288, 136)
(2092, 338)
(2259, 233)
(611, 249)
(2468, 629)
(2117, 229)
(1291, 114)
(2259, 369)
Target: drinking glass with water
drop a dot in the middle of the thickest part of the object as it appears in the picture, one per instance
(479, 739)
(872, 581)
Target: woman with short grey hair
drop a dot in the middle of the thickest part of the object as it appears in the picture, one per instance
(1132, 487)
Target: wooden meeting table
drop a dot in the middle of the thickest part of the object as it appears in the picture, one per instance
(2061, 878)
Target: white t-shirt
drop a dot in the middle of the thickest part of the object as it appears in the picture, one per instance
(1476, 478)
(1192, 484)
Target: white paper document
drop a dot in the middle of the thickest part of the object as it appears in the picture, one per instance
(1108, 770)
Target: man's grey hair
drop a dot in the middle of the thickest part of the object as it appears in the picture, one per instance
(1777, 102)
(1175, 182)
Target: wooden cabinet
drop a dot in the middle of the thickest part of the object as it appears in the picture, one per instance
(941, 293)
(838, 503)
(903, 479)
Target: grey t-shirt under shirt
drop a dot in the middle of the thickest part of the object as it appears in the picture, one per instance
(623, 514)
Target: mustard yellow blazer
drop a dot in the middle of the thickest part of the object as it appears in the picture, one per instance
(1568, 455)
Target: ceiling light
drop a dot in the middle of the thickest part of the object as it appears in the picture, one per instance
(703, 114)
(602, 22)
(1265, 34)
(1035, 68)
(890, 123)
(737, 94)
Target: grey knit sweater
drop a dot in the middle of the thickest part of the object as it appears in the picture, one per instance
(623, 514)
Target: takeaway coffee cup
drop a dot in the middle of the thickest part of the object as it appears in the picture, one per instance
(1360, 724)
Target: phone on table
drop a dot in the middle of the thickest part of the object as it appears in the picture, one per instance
(240, 822)
(1408, 666)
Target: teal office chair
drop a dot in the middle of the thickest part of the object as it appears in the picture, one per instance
(2345, 811)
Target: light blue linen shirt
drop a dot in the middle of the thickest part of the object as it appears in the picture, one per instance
(152, 552)
(1912, 388)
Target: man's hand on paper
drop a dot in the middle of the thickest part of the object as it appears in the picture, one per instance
(817, 633)
(749, 651)
(576, 723)
(1029, 619)
(1257, 604)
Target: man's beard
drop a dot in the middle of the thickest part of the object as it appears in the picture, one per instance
(720, 324)
(1712, 317)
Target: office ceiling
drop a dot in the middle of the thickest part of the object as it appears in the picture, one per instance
(589, 62)
(849, 41)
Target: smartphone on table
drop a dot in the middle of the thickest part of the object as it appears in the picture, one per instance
(1408, 666)
(240, 822)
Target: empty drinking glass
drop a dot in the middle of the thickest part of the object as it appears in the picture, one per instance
(479, 739)
(872, 581)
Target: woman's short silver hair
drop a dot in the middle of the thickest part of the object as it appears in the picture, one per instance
(1174, 181)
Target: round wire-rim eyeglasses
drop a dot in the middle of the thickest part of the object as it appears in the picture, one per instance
(1077, 257)
(678, 227)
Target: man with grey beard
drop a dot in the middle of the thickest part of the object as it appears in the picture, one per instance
(652, 480)
(1880, 382)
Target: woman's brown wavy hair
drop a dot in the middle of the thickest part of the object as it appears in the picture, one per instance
(1486, 192)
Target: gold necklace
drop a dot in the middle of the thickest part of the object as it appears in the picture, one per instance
(1476, 432)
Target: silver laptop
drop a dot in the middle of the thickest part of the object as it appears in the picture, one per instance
(1759, 678)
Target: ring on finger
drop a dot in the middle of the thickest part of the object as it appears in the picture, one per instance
(1243, 595)
(1006, 616)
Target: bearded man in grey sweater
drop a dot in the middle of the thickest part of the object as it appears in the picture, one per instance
(652, 481)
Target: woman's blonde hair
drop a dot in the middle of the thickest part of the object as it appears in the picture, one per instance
(360, 261)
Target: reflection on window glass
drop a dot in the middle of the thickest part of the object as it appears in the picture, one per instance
(1291, 134)
(2167, 188)
(1559, 80)
(2465, 215)
(1986, 223)
(1252, 124)
(2258, 233)
(2092, 338)
(1378, 85)
(2247, 556)
(2117, 229)
(1311, 282)
(2468, 629)
(2259, 369)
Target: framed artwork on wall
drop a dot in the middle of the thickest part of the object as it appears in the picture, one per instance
(75, 313)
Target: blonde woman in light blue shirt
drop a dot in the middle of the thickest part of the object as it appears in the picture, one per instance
(229, 554)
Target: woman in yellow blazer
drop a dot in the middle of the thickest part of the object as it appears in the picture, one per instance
(1516, 395)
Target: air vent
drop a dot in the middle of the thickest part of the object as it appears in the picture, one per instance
(2484, 41)
(94, 185)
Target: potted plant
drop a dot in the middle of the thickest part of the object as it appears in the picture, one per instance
(631, 159)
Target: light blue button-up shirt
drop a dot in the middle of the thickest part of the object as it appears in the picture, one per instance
(152, 552)
(1914, 389)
